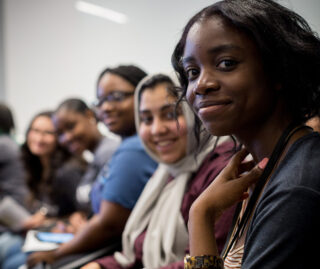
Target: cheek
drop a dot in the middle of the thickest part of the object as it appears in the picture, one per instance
(190, 95)
(182, 127)
(144, 133)
(51, 142)
(127, 107)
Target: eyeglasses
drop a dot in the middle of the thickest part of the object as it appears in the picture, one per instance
(114, 96)
(42, 132)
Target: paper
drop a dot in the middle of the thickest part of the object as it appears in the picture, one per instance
(32, 243)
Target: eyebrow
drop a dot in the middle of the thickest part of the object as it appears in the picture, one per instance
(163, 108)
(214, 50)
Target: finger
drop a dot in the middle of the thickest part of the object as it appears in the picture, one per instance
(244, 196)
(236, 160)
(250, 178)
(245, 167)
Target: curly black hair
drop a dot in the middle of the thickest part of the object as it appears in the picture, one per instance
(290, 50)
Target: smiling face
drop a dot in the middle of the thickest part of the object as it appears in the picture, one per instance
(158, 125)
(117, 115)
(41, 137)
(227, 86)
(76, 131)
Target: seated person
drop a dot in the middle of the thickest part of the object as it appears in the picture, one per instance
(77, 131)
(48, 166)
(11, 169)
(125, 176)
(156, 235)
(12, 183)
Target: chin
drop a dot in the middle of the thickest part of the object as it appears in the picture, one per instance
(217, 130)
(169, 160)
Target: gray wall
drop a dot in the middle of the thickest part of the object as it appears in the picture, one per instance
(53, 51)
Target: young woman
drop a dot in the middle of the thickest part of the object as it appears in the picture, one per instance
(77, 130)
(251, 69)
(48, 167)
(156, 234)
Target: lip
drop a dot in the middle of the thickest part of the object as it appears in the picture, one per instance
(165, 145)
(109, 121)
(211, 107)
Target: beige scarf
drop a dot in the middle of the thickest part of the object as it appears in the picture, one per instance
(158, 209)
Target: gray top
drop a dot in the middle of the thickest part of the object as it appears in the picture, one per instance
(284, 232)
(11, 170)
(102, 154)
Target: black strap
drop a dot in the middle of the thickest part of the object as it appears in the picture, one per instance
(280, 146)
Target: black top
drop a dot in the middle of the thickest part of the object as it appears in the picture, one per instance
(286, 221)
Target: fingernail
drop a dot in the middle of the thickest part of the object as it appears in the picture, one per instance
(263, 163)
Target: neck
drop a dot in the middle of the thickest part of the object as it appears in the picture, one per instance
(45, 162)
(260, 140)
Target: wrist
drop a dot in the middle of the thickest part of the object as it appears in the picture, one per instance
(203, 262)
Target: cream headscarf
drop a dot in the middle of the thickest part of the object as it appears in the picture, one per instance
(158, 208)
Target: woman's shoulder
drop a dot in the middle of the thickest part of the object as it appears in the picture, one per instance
(72, 165)
(131, 143)
(107, 146)
(300, 167)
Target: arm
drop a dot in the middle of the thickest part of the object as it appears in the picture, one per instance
(103, 226)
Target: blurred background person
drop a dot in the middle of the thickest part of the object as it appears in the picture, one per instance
(77, 131)
(11, 175)
(11, 169)
(119, 185)
(48, 167)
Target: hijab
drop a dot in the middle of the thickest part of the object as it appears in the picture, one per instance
(158, 209)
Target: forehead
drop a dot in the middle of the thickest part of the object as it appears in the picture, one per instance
(63, 116)
(110, 82)
(208, 35)
(42, 122)
(156, 98)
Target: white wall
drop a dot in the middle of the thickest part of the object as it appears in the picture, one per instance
(53, 51)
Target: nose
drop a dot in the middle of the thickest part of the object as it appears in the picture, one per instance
(158, 127)
(206, 82)
(106, 107)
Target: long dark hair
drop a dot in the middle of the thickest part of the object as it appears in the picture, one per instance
(290, 50)
(34, 168)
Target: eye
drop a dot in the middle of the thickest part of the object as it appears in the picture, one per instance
(70, 125)
(191, 73)
(170, 115)
(227, 65)
(146, 119)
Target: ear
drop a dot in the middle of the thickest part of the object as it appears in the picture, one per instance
(90, 115)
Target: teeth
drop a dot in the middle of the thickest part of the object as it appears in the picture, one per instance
(164, 143)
